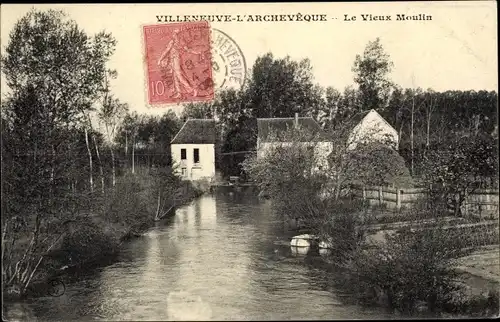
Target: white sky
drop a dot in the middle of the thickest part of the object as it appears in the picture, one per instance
(456, 50)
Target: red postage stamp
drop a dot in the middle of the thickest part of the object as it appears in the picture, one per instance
(178, 62)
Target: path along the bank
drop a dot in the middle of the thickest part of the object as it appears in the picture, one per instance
(483, 266)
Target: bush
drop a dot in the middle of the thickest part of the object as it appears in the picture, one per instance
(343, 227)
(412, 267)
(86, 242)
(483, 305)
(126, 203)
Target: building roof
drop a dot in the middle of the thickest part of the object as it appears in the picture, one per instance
(357, 119)
(274, 129)
(196, 131)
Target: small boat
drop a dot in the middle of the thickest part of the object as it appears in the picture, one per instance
(305, 240)
(324, 251)
(296, 251)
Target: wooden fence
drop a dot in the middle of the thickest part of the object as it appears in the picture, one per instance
(482, 201)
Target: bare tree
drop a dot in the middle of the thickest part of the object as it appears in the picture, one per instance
(111, 114)
(430, 107)
(89, 153)
(101, 171)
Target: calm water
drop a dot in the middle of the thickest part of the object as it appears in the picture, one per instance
(223, 257)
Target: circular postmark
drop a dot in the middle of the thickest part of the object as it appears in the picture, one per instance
(56, 287)
(228, 62)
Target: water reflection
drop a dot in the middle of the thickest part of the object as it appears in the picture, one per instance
(299, 251)
(222, 257)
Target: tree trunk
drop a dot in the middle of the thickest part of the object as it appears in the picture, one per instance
(428, 133)
(411, 134)
(101, 172)
(52, 173)
(400, 134)
(52, 166)
(337, 191)
(91, 180)
(113, 171)
(126, 144)
(428, 127)
(133, 156)
(338, 184)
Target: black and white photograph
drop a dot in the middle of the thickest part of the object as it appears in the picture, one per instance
(249, 161)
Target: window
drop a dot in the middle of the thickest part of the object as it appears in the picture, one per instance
(196, 155)
(184, 172)
(183, 154)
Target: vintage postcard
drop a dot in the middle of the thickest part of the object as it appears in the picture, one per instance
(239, 161)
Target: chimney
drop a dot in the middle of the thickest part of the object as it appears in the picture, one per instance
(296, 120)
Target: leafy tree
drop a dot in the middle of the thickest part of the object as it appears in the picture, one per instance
(199, 110)
(156, 133)
(458, 167)
(329, 109)
(111, 114)
(376, 164)
(66, 66)
(287, 173)
(354, 155)
(437, 117)
(149, 136)
(348, 106)
(281, 87)
(54, 71)
(371, 75)
(394, 113)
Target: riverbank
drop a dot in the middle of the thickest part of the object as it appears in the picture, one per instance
(103, 222)
(404, 273)
(249, 277)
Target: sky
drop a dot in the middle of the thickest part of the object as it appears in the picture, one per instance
(456, 50)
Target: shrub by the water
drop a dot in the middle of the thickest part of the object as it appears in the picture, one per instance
(87, 242)
(481, 305)
(411, 268)
(342, 224)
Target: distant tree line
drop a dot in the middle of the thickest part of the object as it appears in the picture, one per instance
(280, 87)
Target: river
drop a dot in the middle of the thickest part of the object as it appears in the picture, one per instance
(222, 257)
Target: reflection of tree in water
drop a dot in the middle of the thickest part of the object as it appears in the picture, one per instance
(182, 305)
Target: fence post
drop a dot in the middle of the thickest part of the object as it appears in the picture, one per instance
(398, 198)
(380, 199)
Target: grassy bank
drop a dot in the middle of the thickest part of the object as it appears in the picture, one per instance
(102, 222)
(413, 271)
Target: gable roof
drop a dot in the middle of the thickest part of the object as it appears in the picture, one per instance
(196, 131)
(358, 118)
(361, 116)
(278, 126)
